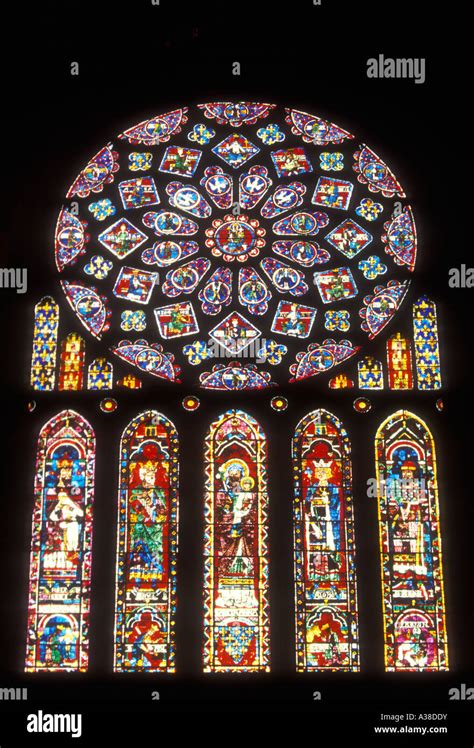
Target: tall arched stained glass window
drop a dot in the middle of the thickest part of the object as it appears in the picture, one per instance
(60, 567)
(410, 545)
(147, 546)
(236, 625)
(325, 576)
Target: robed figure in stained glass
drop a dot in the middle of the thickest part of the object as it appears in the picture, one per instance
(147, 546)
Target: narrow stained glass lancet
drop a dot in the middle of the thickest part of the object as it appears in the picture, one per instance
(71, 370)
(399, 363)
(147, 546)
(236, 625)
(45, 337)
(325, 575)
(425, 335)
(60, 566)
(410, 545)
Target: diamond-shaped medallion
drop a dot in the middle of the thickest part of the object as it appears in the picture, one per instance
(235, 150)
(349, 238)
(234, 333)
(122, 238)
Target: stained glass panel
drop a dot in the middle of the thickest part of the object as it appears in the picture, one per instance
(283, 175)
(60, 566)
(236, 621)
(45, 336)
(71, 369)
(147, 546)
(410, 545)
(425, 336)
(399, 363)
(325, 576)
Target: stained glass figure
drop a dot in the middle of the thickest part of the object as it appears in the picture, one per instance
(410, 545)
(147, 546)
(71, 368)
(90, 307)
(380, 306)
(70, 239)
(320, 357)
(157, 129)
(236, 619)
(425, 337)
(60, 566)
(45, 337)
(325, 576)
(349, 238)
(235, 376)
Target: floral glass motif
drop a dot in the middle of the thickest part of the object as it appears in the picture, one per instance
(102, 209)
(331, 161)
(337, 320)
(147, 546)
(201, 134)
(163, 196)
(372, 267)
(133, 319)
(369, 209)
(100, 375)
(410, 545)
(99, 267)
(325, 578)
(370, 373)
(60, 565)
(236, 612)
(271, 134)
(425, 338)
(140, 161)
(45, 342)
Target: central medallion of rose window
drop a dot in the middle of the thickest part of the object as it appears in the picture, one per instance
(235, 238)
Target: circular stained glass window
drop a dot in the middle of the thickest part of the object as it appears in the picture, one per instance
(235, 246)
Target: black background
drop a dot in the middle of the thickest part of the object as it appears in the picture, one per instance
(137, 60)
